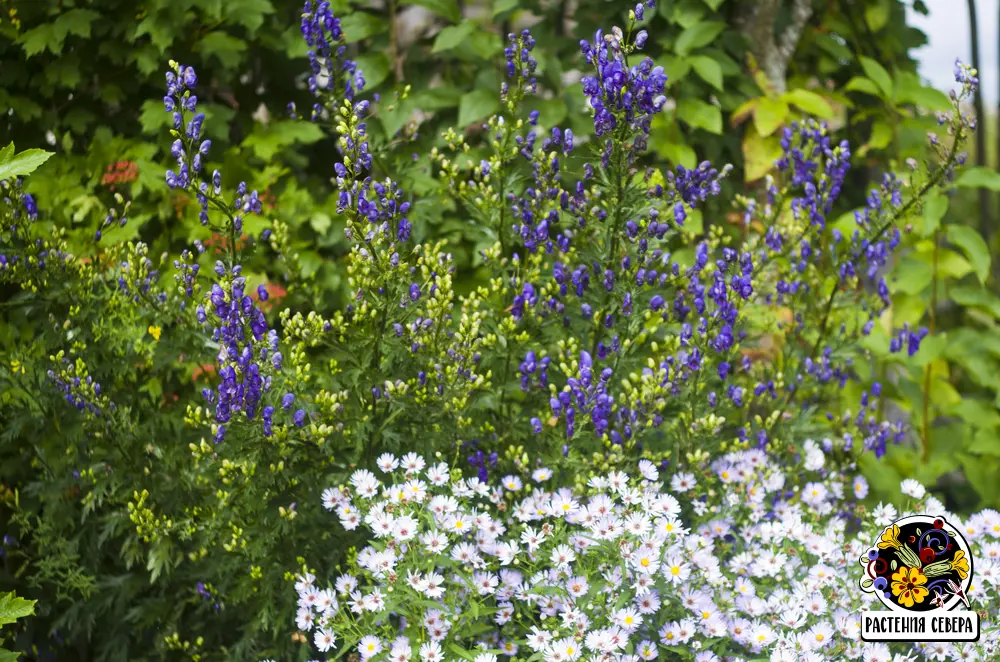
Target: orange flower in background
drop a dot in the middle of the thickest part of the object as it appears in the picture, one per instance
(275, 293)
(120, 172)
(268, 200)
(203, 369)
(168, 399)
(220, 243)
(180, 202)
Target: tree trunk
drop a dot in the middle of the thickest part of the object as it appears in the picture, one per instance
(773, 52)
(985, 221)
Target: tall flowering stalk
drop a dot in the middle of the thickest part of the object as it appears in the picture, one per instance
(248, 355)
(808, 250)
(643, 337)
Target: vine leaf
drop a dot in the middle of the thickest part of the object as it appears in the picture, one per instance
(13, 608)
(24, 163)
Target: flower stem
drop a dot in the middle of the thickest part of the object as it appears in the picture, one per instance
(925, 444)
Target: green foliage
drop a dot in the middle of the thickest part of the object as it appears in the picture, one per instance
(24, 163)
(950, 390)
(980, 177)
(11, 609)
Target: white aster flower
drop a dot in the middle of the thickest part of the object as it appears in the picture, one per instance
(324, 640)
(387, 462)
(682, 482)
(369, 646)
(884, 514)
(648, 470)
(913, 488)
(541, 475)
(511, 483)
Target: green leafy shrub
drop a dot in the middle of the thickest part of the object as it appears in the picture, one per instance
(11, 609)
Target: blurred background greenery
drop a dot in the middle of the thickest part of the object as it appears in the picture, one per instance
(84, 78)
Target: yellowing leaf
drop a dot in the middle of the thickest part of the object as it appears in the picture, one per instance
(759, 155)
(769, 114)
(743, 111)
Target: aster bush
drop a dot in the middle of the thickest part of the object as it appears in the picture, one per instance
(615, 323)
(741, 558)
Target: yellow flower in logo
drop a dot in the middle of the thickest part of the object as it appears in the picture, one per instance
(890, 538)
(960, 564)
(908, 585)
